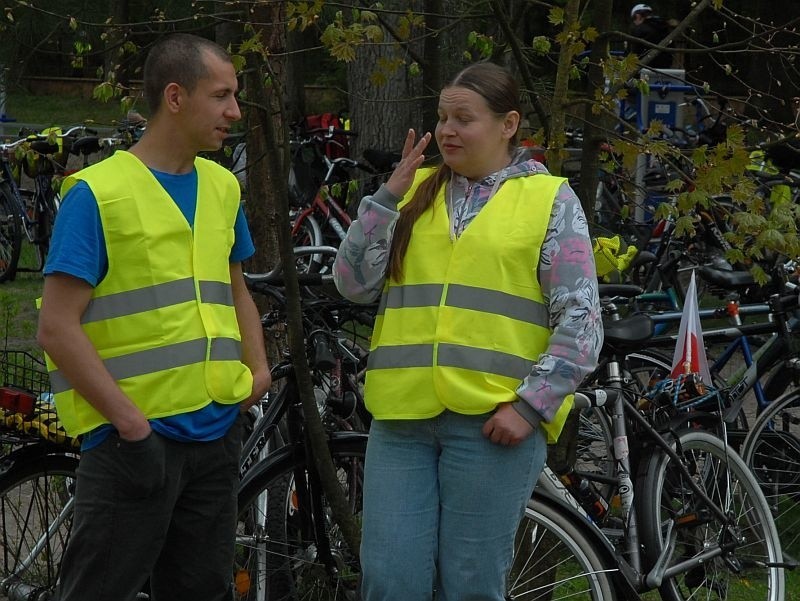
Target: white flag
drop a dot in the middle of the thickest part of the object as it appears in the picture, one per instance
(690, 351)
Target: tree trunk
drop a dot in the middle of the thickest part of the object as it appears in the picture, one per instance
(269, 126)
(555, 156)
(382, 113)
(595, 127)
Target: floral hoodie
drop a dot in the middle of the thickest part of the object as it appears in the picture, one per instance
(566, 274)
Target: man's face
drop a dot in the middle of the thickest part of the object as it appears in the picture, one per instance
(211, 107)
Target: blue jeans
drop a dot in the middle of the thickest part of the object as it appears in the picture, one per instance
(441, 508)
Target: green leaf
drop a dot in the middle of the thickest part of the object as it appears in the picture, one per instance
(103, 91)
(684, 226)
(541, 44)
(556, 15)
(239, 62)
(374, 33)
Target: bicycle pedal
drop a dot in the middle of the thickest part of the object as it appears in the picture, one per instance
(692, 519)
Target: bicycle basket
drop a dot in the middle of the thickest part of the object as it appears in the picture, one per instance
(26, 407)
(23, 380)
(687, 394)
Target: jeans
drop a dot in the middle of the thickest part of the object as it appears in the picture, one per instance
(157, 509)
(441, 508)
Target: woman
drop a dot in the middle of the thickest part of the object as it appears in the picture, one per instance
(489, 319)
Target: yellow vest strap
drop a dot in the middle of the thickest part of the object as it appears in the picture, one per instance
(155, 297)
(158, 359)
(450, 355)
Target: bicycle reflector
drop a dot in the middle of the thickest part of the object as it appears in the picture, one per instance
(16, 400)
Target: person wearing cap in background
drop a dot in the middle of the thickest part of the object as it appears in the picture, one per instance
(650, 28)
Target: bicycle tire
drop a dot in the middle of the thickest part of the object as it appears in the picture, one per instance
(34, 507)
(663, 498)
(558, 560)
(779, 380)
(772, 452)
(10, 234)
(307, 232)
(276, 554)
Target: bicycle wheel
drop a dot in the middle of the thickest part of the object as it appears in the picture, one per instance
(278, 547)
(772, 451)
(747, 566)
(10, 234)
(554, 560)
(308, 233)
(36, 518)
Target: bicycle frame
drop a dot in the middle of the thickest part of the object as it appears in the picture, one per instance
(332, 213)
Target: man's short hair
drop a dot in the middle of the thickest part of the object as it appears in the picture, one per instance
(640, 8)
(177, 58)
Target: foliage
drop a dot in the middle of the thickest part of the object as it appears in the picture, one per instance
(537, 40)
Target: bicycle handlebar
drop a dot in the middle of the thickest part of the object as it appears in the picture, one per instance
(597, 397)
(275, 276)
(330, 132)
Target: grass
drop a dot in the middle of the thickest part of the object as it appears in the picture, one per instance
(18, 316)
(63, 110)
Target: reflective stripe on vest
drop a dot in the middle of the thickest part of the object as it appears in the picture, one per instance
(162, 319)
(468, 321)
(160, 295)
(466, 297)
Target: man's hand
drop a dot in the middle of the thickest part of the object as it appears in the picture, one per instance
(262, 381)
(507, 427)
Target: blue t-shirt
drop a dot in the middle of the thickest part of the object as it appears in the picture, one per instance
(78, 248)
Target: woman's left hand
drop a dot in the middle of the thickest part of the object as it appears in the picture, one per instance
(507, 427)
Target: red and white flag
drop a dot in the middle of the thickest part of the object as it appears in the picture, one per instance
(690, 351)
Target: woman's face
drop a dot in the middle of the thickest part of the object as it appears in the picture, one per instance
(473, 139)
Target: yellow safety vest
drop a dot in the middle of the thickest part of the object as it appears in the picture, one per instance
(468, 321)
(163, 319)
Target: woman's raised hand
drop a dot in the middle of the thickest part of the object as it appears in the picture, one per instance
(403, 175)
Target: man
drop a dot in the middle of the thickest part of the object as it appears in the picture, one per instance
(154, 343)
(650, 28)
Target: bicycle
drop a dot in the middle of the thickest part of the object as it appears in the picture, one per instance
(37, 479)
(25, 213)
(691, 514)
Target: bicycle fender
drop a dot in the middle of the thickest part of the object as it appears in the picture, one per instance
(30, 453)
(283, 457)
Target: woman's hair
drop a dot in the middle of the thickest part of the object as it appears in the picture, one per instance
(177, 58)
(501, 92)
